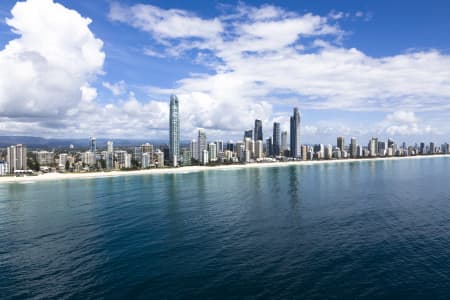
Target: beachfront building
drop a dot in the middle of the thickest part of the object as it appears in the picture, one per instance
(204, 158)
(258, 134)
(284, 146)
(3, 168)
(62, 161)
(212, 152)
(174, 131)
(295, 134)
(16, 158)
(259, 149)
(45, 158)
(202, 145)
(276, 139)
(159, 158)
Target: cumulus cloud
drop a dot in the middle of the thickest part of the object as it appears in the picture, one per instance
(117, 89)
(261, 55)
(405, 123)
(171, 23)
(260, 62)
(46, 70)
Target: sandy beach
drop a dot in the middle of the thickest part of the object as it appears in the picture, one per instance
(191, 169)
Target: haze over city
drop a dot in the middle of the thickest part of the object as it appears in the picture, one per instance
(107, 68)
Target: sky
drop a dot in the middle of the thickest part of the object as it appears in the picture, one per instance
(107, 68)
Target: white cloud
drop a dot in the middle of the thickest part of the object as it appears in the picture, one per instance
(405, 123)
(117, 89)
(46, 70)
(261, 61)
(172, 23)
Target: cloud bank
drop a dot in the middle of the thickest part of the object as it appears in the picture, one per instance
(259, 62)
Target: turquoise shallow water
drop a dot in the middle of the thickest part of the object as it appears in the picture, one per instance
(377, 229)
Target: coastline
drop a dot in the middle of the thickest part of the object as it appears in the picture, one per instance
(192, 169)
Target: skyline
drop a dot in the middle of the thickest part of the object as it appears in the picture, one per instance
(228, 65)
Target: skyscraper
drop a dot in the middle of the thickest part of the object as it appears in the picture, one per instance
(341, 143)
(17, 158)
(174, 130)
(248, 134)
(283, 141)
(92, 144)
(258, 130)
(201, 145)
(276, 138)
(353, 150)
(295, 134)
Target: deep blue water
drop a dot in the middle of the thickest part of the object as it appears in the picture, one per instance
(340, 231)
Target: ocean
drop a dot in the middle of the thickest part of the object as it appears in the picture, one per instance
(366, 230)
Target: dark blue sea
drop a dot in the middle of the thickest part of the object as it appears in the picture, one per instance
(359, 230)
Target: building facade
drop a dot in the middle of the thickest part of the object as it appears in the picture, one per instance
(174, 130)
(295, 134)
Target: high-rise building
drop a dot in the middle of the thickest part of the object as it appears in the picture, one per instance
(219, 145)
(174, 130)
(248, 134)
(16, 158)
(159, 158)
(193, 147)
(202, 145)
(204, 158)
(92, 144)
(258, 130)
(62, 161)
(284, 146)
(146, 160)
(45, 158)
(259, 149)
(353, 149)
(276, 138)
(212, 152)
(249, 145)
(373, 145)
(432, 148)
(269, 146)
(109, 155)
(295, 134)
(341, 143)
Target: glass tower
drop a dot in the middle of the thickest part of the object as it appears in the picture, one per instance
(276, 138)
(174, 129)
(258, 130)
(295, 134)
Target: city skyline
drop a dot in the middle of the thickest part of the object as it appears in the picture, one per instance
(349, 68)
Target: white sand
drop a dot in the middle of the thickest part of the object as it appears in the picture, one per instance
(182, 170)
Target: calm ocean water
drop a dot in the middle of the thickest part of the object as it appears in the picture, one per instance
(339, 231)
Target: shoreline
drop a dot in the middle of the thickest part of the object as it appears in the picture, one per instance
(194, 169)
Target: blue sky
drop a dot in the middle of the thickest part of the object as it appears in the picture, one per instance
(354, 68)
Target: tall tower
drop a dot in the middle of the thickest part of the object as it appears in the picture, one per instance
(174, 130)
(340, 142)
(353, 150)
(276, 138)
(201, 142)
(295, 134)
(258, 135)
(283, 141)
(93, 144)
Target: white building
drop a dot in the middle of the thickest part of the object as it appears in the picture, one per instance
(259, 149)
(16, 158)
(62, 161)
(212, 154)
(45, 158)
(146, 160)
(204, 158)
(159, 158)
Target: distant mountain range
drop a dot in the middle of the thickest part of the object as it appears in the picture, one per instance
(45, 143)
